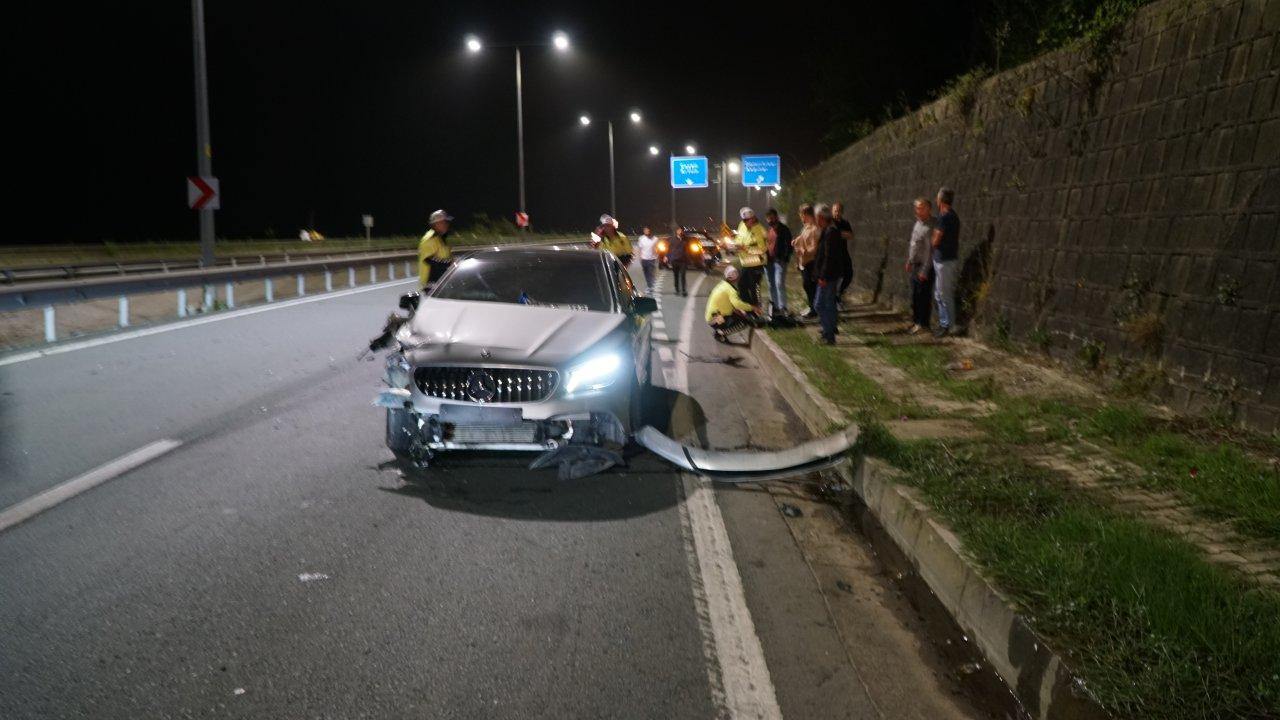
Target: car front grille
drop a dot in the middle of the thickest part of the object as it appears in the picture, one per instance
(524, 433)
(482, 384)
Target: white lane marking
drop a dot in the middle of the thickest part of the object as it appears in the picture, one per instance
(37, 504)
(743, 685)
(179, 325)
(664, 354)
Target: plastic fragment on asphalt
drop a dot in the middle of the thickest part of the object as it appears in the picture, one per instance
(846, 587)
(312, 577)
(791, 510)
(577, 461)
(749, 466)
(238, 691)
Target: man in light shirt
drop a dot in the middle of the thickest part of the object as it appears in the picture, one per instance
(919, 266)
(647, 249)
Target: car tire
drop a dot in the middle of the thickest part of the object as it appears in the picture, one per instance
(401, 429)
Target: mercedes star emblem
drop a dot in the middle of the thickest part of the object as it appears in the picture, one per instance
(481, 386)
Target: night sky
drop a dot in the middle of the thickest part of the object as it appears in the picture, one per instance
(324, 111)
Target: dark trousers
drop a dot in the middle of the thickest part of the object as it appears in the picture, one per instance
(749, 284)
(921, 297)
(810, 284)
(682, 285)
(846, 277)
(824, 302)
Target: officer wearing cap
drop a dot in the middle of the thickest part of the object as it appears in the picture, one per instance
(434, 254)
(752, 252)
(726, 310)
(607, 237)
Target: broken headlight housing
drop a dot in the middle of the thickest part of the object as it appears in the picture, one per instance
(398, 373)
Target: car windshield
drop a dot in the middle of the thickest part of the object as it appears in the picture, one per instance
(574, 280)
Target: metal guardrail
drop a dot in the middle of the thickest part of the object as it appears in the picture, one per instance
(49, 293)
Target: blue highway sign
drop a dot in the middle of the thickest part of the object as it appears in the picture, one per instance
(689, 171)
(761, 170)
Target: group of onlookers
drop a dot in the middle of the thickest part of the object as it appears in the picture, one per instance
(824, 257)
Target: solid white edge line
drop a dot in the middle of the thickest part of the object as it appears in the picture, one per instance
(181, 324)
(32, 506)
(745, 687)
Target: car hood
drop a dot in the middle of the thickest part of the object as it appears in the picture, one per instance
(453, 331)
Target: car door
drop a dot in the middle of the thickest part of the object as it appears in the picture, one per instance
(640, 327)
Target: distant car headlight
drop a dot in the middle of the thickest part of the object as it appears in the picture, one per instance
(399, 373)
(662, 246)
(598, 372)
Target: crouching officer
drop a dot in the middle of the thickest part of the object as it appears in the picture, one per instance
(726, 310)
(434, 254)
(607, 237)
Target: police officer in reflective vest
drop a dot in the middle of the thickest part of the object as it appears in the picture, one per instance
(608, 237)
(434, 254)
(752, 248)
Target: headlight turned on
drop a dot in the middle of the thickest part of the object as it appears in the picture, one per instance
(662, 246)
(695, 247)
(599, 372)
(398, 373)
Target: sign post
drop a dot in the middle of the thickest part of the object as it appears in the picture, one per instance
(204, 148)
(367, 221)
(761, 171)
(203, 194)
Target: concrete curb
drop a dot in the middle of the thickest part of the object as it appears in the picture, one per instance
(1038, 677)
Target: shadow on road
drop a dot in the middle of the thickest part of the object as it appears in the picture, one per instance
(501, 485)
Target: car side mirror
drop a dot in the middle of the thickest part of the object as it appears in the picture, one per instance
(409, 301)
(644, 305)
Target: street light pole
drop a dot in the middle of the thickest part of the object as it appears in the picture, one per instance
(520, 130)
(613, 187)
(204, 148)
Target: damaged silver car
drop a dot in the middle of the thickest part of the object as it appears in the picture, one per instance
(532, 348)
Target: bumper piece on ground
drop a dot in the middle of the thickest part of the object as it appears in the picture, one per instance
(738, 466)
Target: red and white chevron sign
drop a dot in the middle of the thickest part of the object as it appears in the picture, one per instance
(202, 193)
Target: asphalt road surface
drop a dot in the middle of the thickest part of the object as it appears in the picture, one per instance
(250, 551)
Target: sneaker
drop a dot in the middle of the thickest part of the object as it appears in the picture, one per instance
(827, 340)
(914, 330)
(808, 313)
(942, 332)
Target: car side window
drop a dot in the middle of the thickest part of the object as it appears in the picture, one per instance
(626, 289)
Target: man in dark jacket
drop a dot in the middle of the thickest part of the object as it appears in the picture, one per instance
(846, 251)
(828, 269)
(678, 259)
(779, 253)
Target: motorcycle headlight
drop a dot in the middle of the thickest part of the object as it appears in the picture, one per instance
(398, 373)
(598, 372)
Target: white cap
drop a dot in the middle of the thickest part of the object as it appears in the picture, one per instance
(607, 219)
(438, 216)
(746, 212)
(731, 273)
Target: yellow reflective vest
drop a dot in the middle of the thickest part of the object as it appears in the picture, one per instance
(723, 300)
(752, 245)
(432, 247)
(619, 244)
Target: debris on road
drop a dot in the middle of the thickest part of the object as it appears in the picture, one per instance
(842, 585)
(791, 510)
(312, 577)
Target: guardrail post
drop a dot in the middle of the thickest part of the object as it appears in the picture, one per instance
(182, 302)
(406, 268)
(391, 271)
(208, 298)
(373, 273)
(270, 287)
(351, 277)
(50, 332)
(302, 285)
(124, 311)
(328, 281)
(231, 295)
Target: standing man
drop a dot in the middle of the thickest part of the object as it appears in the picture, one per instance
(828, 271)
(846, 251)
(678, 259)
(919, 266)
(606, 237)
(946, 256)
(434, 254)
(647, 249)
(752, 254)
(806, 247)
(779, 249)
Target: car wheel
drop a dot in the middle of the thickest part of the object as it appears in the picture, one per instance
(402, 428)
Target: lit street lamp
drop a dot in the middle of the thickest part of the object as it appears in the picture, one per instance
(560, 42)
(689, 149)
(635, 117)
